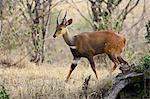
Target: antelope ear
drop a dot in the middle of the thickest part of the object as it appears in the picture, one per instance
(68, 22)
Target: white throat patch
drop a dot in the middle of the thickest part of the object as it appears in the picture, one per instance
(73, 47)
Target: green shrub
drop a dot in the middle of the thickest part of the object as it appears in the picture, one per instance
(146, 61)
(148, 31)
(144, 64)
(3, 94)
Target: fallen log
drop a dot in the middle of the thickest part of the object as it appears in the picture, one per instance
(128, 79)
(120, 83)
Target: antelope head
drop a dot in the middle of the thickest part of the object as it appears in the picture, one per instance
(61, 28)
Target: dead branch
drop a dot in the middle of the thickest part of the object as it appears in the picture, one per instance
(21, 59)
(133, 6)
(78, 10)
(57, 3)
(120, 83)
(126, 11)
(85, 86)
(141, 18)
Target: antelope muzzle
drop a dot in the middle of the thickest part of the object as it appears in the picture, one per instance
(54, 36)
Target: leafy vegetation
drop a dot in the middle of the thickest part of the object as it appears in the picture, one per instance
(3, 93)
(146, 61)
(144, 64)
(148, 31)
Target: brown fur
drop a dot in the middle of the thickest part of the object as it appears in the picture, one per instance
(89, 44)
(99, 42)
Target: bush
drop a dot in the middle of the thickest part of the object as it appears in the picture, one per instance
(144, 65)
(146, 61)
(148, 31)
(3, 94)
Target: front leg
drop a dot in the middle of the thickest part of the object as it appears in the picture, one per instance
(73, 65)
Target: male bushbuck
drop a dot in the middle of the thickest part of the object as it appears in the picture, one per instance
(89, 44)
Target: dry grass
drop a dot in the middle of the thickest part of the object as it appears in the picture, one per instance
(28, 81)
(47, 81)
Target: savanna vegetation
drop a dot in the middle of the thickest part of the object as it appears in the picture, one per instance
(34, 65)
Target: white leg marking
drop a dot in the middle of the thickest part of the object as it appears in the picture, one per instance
(75, 61)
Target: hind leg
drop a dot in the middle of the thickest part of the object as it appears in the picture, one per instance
(115, 63)
(114, 59)
(121, 60)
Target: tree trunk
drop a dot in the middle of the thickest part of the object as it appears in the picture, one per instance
(1, 19)
(39, 15)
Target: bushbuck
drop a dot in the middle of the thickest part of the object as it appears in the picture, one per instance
(89, 44)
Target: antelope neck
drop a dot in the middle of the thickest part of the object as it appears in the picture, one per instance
(68, 38)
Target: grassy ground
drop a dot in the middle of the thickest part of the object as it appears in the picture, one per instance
(47, 81)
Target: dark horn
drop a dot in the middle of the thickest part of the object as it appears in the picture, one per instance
(64, 18)
(58, 17)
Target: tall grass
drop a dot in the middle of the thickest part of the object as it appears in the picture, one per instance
(47, 81)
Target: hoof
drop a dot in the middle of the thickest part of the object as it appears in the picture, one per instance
(66, 80)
